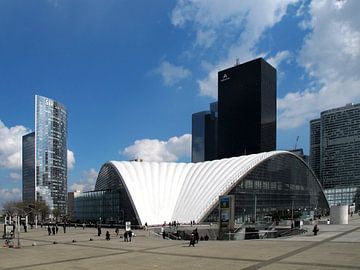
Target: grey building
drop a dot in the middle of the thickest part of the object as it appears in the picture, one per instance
(314, 157)
(49, 181)
(204, 135)
(338, 151)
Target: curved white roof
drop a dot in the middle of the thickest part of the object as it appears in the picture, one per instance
(183, 191)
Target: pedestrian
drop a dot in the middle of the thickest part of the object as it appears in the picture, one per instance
(49, 230)
(196, 236)
(75, 225)
(56, 228)
(117, 231)
(192, 240)
(163, 232)
(107, 235)
(125, 236)
(64, 227)
(316, 229)
(53, 229)
(99, 230)
(129, 235)
(83, 225)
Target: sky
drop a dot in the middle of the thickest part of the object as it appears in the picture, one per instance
(131, 73)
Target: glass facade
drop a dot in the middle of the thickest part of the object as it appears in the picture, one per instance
(335, 152)
(282, 185)
(314, 159)
(28, 167)
(247, 109)
(51, 152)
(204, 135)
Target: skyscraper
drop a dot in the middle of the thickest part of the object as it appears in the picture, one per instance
(204, 135)
(247, 109)
(49, 183)
(338, 137)
(28, 167)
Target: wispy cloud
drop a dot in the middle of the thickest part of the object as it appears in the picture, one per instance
(157, 150)
(171, 74)
(9, 194)
(70, 159)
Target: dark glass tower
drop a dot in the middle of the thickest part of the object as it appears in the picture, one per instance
(45, 156)
(247, 109)
(28, 167)
(204, 135)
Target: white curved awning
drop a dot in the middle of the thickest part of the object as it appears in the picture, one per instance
(183, 191)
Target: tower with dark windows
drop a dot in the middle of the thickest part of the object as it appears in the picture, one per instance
(45, 156)
(335, 153)
(245, 118)
(247, 109)
(204, 135)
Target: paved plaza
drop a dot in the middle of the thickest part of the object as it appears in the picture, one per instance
(335, 247)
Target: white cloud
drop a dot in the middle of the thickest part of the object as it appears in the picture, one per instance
(10, 145)
(331, 57)
(172, 74)
(239, 25)
(278, 58)
(15, 176)
(70, 159)
(156, 150)
(9, 194)
(87, 181)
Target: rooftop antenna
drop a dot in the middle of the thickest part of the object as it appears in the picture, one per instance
(237, 62)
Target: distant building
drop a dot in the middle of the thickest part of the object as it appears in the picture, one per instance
(28, 167)
(46, 150)
(204, 135)
(314, 157)
(300, 153)
(71, 204)
(335, 152)
(247, 109)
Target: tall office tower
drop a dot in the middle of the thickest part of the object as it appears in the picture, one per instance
(314, 158)
(28, 167)
(50, 179)
(247, 109)
(339, 160)
(204, 135)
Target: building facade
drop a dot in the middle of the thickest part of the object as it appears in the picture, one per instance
(49, 184)
(247, 109)
(339, 153)
(28, 167)
(314, 156)
(276, 183)
(204, 135)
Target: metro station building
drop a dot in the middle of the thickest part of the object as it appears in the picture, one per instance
(157, 192)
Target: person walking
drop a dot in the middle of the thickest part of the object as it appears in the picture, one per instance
(83, 226)
(196, 236)
(107, 235)
(316, 229)
(53, 229)
(117, 231)
(192, 240)
(49, 229)
(99, 230)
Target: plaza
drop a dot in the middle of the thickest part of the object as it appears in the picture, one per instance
(335, 247)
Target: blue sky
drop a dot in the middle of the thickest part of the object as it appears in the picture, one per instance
(131, 73)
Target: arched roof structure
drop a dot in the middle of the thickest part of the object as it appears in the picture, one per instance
(162, 191)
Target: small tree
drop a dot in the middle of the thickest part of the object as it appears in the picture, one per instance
(56, 213)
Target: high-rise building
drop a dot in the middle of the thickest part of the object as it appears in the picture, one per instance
(314, 158)
(338, 137)
(204, 135)
(49, 181)
(247, 109)
(28, 167)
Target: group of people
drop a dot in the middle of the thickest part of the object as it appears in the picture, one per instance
(54, 229)
(194, 238)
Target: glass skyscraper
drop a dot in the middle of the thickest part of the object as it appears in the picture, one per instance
(335, 152)
(204, 135)
(50, 179)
